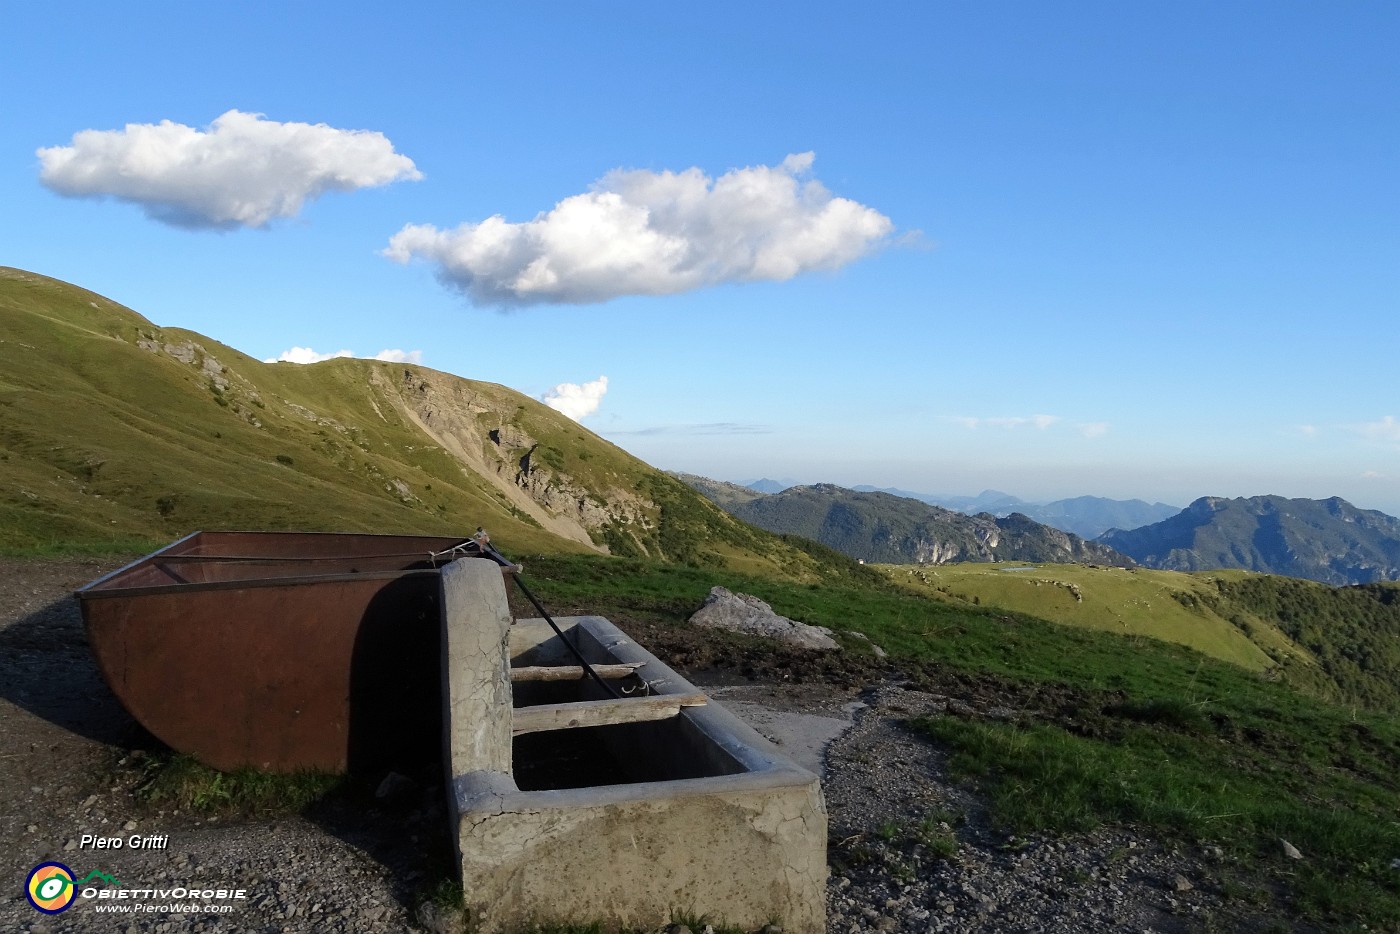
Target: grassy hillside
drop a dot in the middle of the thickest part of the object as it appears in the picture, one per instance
(1336, 643)
(1139, 603)
(1353, 632)
(104, 436)
(116, 433)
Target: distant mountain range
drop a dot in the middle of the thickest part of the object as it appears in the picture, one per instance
(1085, 516)
(876, 526)
(1330, 540)
(115, 431)
(765, 485)
(1326, 540)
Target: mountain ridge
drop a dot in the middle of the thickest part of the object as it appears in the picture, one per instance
(1085, 516)
(1330, 541)
(880, 527)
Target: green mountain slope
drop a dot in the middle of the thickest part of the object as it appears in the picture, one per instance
(1136, 602)
(1107, 728)
(1353, 632)
(1323, 540)
(113, 429)
(1340, 644)
(895, 529)
(723, 494)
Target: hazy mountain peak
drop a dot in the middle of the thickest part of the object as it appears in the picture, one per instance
(879, 526)
(1325, 540)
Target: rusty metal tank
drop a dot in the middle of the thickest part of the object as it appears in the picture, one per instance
(279, 651)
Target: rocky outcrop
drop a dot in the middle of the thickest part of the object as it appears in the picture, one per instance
(233, 390)
(480, 432)
(737, 612)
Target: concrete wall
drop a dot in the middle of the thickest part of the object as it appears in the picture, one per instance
(744, 842)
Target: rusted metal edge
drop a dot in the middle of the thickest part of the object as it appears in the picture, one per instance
(82, 592)
(294, 559)
(86, 593)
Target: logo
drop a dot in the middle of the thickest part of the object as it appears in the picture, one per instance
(50, 888)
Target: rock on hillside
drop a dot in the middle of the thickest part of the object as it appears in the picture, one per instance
(740, 612)
(1323, 540)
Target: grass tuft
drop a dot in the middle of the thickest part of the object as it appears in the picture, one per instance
(181, 781)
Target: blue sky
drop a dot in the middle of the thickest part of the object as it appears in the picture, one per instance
(1127, 249)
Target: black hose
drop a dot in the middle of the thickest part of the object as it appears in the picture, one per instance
(565, 639)
(502, 560)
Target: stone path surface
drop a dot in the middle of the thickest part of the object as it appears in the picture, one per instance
(913, 851)
(801, 725)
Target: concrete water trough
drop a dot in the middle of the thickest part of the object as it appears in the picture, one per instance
(571, 805)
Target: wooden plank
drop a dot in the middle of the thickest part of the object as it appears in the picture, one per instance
(569, 672)
(602, 712)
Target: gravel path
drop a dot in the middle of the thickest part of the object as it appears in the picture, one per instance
(912, 851)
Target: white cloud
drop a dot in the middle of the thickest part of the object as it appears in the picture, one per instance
(400, 356)
(705, 428)
(638, 232)
(1040, 422)
(574, 400)
(307, 355)
(1386, 429)
(243, 171)
(1094, 429)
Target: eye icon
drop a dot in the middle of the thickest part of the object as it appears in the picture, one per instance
(50, 888)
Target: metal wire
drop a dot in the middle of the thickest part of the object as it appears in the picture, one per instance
(483, 543)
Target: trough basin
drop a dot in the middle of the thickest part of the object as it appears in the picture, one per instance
(571, 805)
